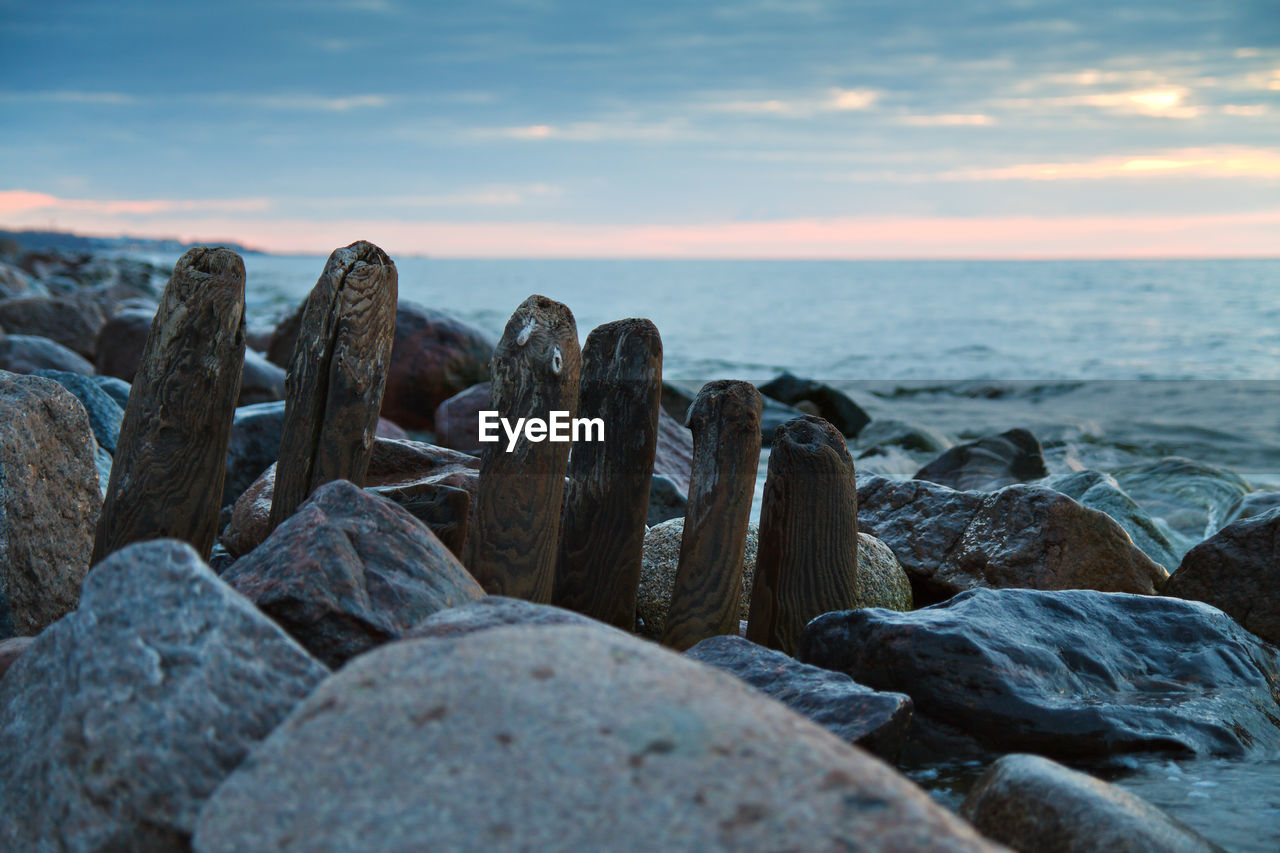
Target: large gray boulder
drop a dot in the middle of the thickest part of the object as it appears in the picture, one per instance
(990, 463)
(121, 719)
(29, 353)
(49, 502)
(1100, 491)
(560, 737)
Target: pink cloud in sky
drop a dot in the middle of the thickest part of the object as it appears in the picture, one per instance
(1255, 234)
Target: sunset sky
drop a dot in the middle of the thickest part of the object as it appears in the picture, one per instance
(774, 128)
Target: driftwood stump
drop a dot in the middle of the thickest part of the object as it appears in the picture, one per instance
(170, 460)
(607, 498)
(807, 563)
(515, 524)
(725, 418)
(333, 390)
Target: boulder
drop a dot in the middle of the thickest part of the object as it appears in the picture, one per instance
(560, 737)
(117, 389)
(121, 719)
(1194, 498)
(27, 354)
(74, 323)
(15, 282)
(888, 432)
(494, 611)
(457, 419)
(989, 463)
(1067, 674)
(1237, 570)
(875, 721)
(1100, 491)
(118, 350)
(434, 357)
(1258, 503)
(104, 412)
(1021, 536)
(285, 336)
(666, 501)
(881, 579)
(348, 571)
(261, 381)
(673, 456)
(676, 401)
(1035, 805)
(11, 649)
(826, 401)
(49, 502)
(773, 415)
(434, 484)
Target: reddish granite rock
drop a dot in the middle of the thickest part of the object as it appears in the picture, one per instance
(74, 323)
(457, 419)
(120, 341)
(434, 357)
(349, 571)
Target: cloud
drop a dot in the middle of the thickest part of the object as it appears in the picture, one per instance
(583, 131)
(852, 99)
(17, 202)
(1221, 162)
(1243, 109)
(835, 100)
(948, 120)
(1159, 102)
(336, 104)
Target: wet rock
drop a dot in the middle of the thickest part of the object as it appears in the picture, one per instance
(673, 456)
(124, 716)
(70, 322)
(349, 571)
(434, 357)
(1021, 536)
(989, 463)
(1067, 674)
(666, 501)
(49, 502)
(434, 484)
(494, 611)
(881, 579)
(1237, 570)
(828, 403)
(774, 415)
(104, 412)
(875, 721)
(676, 401)
(411, 745)
(27, 354)
(888, 432)
(11, 649)
(457, 419)
(1035, 805)
(1100, 491)
(261, 381)
(1194, 498)
(118, 350)
(1258, 503)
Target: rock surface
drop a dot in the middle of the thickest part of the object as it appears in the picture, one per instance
(104, 412)
(1194, 498)
(122, 718)
(73, 323)
(875, 721)
(11, 649)
(457, 419)
(434, 357)
(1100, 491)
(1021, 536)
(349, 571)
(673, 457)
(889, 432)
(989, 463)
(27, 354)
(260, 381)
(827, 402)
(1068, 674)
(1035, 805)
(626, 745)
(666, 501)
(881, 579)
(49, 502)
(495, 611)
(1237, 570)
(118, 351)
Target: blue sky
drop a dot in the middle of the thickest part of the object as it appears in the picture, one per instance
(770, 129)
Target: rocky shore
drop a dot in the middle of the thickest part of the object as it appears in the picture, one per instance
(401, 638)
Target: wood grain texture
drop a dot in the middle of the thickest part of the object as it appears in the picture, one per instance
(170, 460)
(807, 563)
(607, 497)
(515, 526)
(725, 418)
(337, 376)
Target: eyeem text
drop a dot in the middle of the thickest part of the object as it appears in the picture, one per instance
(560, 427)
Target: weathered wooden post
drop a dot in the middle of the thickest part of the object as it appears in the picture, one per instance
(607, 501)
(725, 418)
(807, 562)
(333, 390)
(515, 524)
(170, 460)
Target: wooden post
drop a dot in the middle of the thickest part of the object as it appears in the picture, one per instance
(607, 501)
(807, 562)
(336, 377)
(515, 526)
(725, 418)
(170, 460)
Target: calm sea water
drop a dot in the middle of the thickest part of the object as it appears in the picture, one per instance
(1106, 362)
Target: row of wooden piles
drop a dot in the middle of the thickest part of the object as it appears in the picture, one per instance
(548, 525)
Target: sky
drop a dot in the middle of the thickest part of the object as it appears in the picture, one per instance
(559, 128)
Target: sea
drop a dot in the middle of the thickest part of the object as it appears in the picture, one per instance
(1107, 362)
